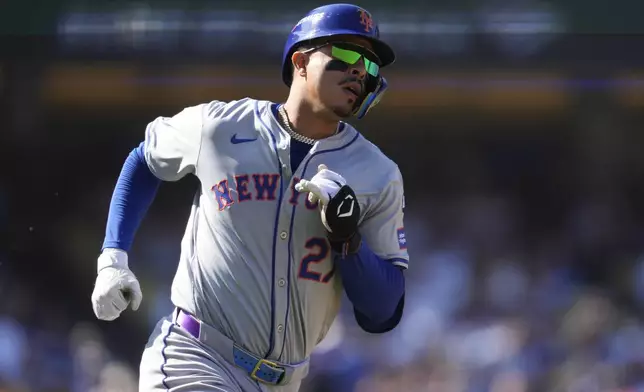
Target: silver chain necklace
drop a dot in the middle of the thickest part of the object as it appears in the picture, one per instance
(295, 135)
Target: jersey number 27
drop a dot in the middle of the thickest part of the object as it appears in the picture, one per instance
(319, 251)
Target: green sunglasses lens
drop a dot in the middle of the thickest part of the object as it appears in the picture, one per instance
(352, 57)
(346, 55)
(372, 68)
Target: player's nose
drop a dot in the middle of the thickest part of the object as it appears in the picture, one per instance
(358, 70)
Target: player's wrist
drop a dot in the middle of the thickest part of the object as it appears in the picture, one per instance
(112, 257)
(345, 246)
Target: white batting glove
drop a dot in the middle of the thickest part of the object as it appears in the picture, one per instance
(115, 287)
(323, 186)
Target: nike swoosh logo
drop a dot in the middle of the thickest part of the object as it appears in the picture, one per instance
(236, 140)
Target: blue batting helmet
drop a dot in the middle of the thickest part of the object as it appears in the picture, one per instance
(340, 19)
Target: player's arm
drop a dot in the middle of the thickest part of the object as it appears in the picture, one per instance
(135, 189)
(169, 152)
(371, 259)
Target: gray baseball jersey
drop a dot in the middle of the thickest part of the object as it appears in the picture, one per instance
(255, 262)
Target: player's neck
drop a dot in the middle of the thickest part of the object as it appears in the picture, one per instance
(305, 121)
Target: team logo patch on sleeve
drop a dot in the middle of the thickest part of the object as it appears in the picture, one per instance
(402, 241)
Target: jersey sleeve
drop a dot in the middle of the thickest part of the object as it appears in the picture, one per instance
(383, 228)
(172, 144)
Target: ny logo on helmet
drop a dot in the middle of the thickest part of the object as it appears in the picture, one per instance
(366, 20)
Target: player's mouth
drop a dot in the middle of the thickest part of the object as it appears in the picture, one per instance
(353, 89)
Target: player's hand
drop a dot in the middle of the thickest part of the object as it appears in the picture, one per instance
(115, 287)
(324, 185)
(338, 205)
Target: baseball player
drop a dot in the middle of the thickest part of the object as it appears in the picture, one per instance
(294, 207)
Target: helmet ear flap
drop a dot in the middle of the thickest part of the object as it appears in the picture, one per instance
(373, 97)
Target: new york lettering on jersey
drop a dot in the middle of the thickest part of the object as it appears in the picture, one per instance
(255, 187)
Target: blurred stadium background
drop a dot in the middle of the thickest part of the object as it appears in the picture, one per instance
(518, 127)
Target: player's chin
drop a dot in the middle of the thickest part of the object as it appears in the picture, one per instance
(344, 110)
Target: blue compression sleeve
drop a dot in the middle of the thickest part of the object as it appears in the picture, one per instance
(135, 190)
(376, 288)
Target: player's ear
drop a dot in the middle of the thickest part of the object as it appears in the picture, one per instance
(299, 60)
